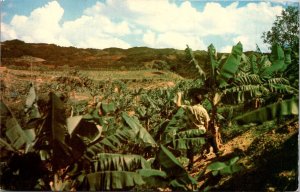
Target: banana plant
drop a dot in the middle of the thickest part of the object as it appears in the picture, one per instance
(222, 74)
(270, 112)
(237, 79)
(266, 79)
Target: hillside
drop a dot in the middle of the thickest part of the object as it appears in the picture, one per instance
(16, 53)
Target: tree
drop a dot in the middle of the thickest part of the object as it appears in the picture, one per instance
(285, 29)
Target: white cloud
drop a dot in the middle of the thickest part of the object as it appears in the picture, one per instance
(41, 26)
(7, 32)
(44, 25)
(96, 32)
(156, 23)
(168, 24)
(149, 38)
(101, 43)
(226, 49)
(172, 39)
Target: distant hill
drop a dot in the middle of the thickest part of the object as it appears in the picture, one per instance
(52, 56)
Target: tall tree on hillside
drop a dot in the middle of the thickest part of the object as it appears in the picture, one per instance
(285, 29)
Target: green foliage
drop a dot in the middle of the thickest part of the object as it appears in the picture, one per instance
(189, 139)
(176, 123)
(174, 169)
(141, 133)
(112, 180)
(278, 61)
(13, 136)
(272, 111)
(31, 106)
(230, 67)
(119, 162)
(192, 59)
(124, 140)
(224, 168)
(154, 177)
(54, 127)
(285, 29)
(108, 107)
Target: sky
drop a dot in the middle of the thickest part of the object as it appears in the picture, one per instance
(134, 23)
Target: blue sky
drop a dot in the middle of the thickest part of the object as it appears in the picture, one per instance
(129, 23)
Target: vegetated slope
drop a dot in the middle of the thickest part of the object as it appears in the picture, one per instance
(268, 153)
(20, 54)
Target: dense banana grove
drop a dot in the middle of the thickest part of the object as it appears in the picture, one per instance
(136, 139)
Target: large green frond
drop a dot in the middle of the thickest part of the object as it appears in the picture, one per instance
(191, 56)
(119, 162)
(112, 180)
(270, 112)
(229, 68)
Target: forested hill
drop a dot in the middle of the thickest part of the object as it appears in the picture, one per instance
(16, 53)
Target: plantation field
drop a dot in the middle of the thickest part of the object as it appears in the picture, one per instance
(131, 75)
(16, 81)
(121, 130)
(137, 78)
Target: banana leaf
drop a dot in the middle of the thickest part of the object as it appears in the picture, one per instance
(57, 119)
(119, 162)
(168, 161)
(152, 172)
(281, 88)
(230, 67)
(270, 112)
(112, 180)
(213, 63)
(89, 129)
(55, 130)
(11, 130)
(192, 133)
(188, 139)
(224, 168)
(174, 168)
(82, 133)
(254, 65)
(31, 107)
(176, 123)
(278, 80)
(188, 143)
(248, 79)
(108, 107)
(154, 178)
(277, 59)
(141, 133)
(111, 141)
(190, 53)
(245, 64)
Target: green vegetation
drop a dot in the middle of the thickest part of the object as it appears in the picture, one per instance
(285, 30)
(131, 138)
(130, 75)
